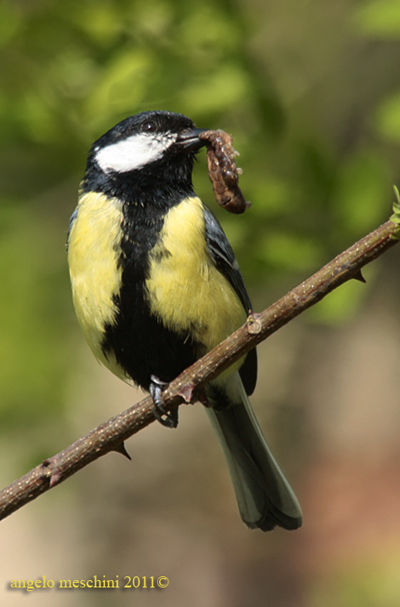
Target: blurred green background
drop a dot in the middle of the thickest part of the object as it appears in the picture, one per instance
(310, 92)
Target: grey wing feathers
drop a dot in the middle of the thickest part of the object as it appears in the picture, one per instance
(224, 257)
(225, 260)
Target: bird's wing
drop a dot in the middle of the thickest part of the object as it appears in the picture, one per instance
(224, 258)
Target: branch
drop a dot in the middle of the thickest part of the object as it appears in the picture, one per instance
(110, 436)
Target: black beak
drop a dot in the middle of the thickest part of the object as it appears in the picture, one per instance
(189, 140)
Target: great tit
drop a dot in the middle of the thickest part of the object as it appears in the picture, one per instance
(156, 285)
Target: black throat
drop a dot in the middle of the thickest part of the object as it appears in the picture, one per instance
(156, 187)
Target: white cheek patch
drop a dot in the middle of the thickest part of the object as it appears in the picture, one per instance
(134, 152)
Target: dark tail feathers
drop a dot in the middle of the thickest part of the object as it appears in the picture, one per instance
(264, 496)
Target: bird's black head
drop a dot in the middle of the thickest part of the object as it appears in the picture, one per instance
(149, 154)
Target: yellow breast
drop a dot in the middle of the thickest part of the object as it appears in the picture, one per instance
(185, 289)
(94, 242)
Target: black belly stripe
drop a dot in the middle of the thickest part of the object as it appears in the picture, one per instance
(141, 344)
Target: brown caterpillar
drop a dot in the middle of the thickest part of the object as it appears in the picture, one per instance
(223, 172)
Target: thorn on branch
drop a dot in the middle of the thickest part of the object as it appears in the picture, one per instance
(186, 392)
(120, 448)
(358, 276)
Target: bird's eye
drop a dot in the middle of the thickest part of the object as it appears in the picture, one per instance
(149, 126)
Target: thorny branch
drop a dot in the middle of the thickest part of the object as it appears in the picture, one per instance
(110, 436)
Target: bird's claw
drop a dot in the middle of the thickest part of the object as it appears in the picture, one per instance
(166, 418)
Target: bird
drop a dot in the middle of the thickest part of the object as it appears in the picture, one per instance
(156, 285)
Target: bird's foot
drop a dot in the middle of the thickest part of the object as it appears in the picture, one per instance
(166, 418)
